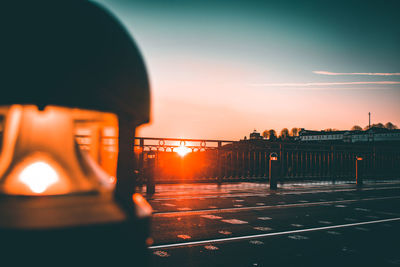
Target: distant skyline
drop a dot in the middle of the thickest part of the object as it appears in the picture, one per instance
(220, 69)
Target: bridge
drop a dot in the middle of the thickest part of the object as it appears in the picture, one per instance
(334, 204)
(249, 160)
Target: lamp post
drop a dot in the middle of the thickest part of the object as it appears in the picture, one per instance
(151, 164)
(359, 180)
(273, 159)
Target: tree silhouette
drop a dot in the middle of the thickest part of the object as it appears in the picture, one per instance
(375, 125)
(390, 126)
(356, 128)
(284, 134)
(265, 134)
(295, 131)
(272, 135)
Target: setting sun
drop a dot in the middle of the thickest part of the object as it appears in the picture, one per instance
(183, 150)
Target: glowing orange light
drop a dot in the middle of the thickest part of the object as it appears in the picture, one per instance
(274, 158)
(359, 158)
(182, 150)
(151, 156)
(38, 176)
(113, 180)
(149, 241)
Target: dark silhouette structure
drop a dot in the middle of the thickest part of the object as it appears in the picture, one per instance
(75, 54)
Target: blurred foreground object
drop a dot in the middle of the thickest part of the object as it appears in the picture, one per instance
(73, 91)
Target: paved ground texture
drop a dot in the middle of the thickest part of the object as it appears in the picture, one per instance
(245, 224)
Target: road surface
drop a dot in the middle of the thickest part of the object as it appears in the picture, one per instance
(245, 224)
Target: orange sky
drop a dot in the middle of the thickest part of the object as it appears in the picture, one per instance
(220, 69)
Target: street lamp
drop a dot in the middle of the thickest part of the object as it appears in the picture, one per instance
(359, 180)
(273, 159)
(151, 165)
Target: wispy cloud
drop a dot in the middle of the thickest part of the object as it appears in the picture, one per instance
(339, 88)
(321, 84)
(322, 72)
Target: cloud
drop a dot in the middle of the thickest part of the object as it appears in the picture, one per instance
(322, 72)
(321, 84)
(340, 88)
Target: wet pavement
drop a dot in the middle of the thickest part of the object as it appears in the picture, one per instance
(246, 224)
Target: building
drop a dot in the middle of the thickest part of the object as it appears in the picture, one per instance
(373, 134)
(255, 136)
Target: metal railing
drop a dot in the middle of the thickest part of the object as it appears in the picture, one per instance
(221, 160)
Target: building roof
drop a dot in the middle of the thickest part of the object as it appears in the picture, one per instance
(304, 132)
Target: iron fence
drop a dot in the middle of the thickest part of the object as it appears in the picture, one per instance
(222, 160)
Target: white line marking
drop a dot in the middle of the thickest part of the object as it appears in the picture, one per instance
(234, 221)
(168, 205)
(211, 247)
(184, 236)
(219, 240)
(261, 228)
(325, 222)
(223, 232)
(296, 225)
(361, 209)
(272, 206)
(333, 233)
(256, 242)
(347, 250)
(298, 237)
(160, 253)
(210, 216)
(184, 209)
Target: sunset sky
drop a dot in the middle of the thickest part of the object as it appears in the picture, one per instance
(220, 69)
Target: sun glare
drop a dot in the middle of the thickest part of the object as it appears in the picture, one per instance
(38, 176)
(182, 150)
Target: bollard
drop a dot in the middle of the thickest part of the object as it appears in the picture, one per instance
(273, 172)
(359, 180)
(219, 165)
(151, 165)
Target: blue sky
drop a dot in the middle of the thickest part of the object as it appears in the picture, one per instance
(220, 69)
